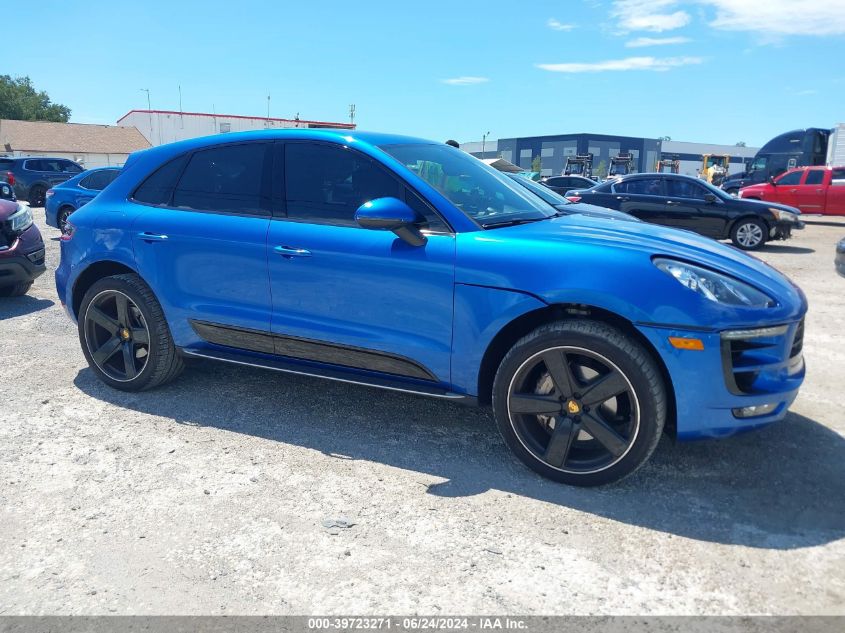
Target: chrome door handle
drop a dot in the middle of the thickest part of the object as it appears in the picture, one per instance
(287, 251)
(623, 198)
(672, 203)
(152, 237)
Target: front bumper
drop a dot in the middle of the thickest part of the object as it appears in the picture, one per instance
(23, 260)
(711, 387)
(783, 230)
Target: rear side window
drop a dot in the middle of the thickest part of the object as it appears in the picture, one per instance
(70, 167)
(838, 176)
(158, 188)
(225, 179)
(327, 184)
(6, 165)
(640, 186)
(792, 178)
(99, 180)
(814, 177)
(34, 165)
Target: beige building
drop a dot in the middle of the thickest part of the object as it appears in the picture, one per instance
(88, 144)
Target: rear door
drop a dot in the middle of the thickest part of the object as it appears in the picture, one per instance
(835, 202)
(642, 197)
(201, 242)
(809, 195)
(686, 208)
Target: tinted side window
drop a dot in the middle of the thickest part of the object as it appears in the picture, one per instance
(814, 177)
(641, 186)
(158, 188)
(71, 167)
(792, 178)
(327, 184)
(6, 164)
(684, 189)
(557, 181)
(226, 179)
(34, 165)
(99, 180)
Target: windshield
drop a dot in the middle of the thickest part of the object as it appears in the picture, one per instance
(484, 194)
(541, 191)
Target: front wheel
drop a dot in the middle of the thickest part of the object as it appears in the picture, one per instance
(748, 234)
(124, 335)
(580, 402)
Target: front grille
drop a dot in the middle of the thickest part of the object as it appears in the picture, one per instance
(755, 365)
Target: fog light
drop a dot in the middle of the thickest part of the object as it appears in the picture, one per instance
(755, 410)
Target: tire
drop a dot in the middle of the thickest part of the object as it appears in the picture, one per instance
(749, 234)
(36, 197)
(62, 216)
(16, 290)
(124, 335)
(580, 438)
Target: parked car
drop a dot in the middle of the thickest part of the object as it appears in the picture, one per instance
(840, 257)
(810, 189)
(567, 207)
(686, 202)
(32, 176)
(21, 249)
(64, 199)
(565, 184)
(6, 191)
(409, 265)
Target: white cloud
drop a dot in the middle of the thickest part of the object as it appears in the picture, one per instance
(780, 17)
(557, 25)
(630, 63)
(465, 81)
(649, 15)
(640, 42)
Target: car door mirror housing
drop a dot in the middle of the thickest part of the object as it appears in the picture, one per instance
(391, 214)
(710, 198)
(773, 181)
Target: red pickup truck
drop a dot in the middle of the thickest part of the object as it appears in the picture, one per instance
(810, 189)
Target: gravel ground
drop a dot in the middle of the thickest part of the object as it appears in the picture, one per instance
(240, 491)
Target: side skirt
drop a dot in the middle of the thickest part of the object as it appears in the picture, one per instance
(329, 373)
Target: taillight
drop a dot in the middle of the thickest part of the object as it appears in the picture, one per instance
(10, 178)
(573, 198)
(50, 193)
(67, 232)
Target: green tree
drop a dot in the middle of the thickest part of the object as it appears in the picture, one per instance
(20, 101)
(536, 164)
(601, 170)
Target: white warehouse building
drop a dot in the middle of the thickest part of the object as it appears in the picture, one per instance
(166, 126)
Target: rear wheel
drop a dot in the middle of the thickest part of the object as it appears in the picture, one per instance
(748, 234)
(124, 335)
(580, 402)
(62, 216)
(36, 196)
(15, 290)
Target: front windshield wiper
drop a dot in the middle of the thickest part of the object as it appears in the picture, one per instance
(493, 225)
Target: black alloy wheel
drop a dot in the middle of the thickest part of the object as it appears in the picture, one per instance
(117, 335)
(64, 214)
(580, 402)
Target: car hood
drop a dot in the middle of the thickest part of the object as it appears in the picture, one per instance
(593, 210)
(756, 205)
(640, 238)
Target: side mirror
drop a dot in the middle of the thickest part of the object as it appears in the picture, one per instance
(772, 181)
(391, 214)
(710, 198)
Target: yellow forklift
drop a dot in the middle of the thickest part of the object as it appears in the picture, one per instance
(668, 164)
(714, 168)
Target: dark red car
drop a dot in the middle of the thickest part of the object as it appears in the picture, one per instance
(21, 249)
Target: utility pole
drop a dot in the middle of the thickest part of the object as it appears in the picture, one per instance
(352, 113)
(484, 142)
(150, 115)
(181, 118)
(268, 109)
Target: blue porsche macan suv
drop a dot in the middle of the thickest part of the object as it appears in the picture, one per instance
(409, 265)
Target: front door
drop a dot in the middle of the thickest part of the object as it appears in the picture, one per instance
(351, 296)
(203, 246)
(686, 208)
(786, 186)
(810, 194)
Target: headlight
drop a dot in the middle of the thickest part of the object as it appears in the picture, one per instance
(714, 286)
(784, 216)
(21, 220)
